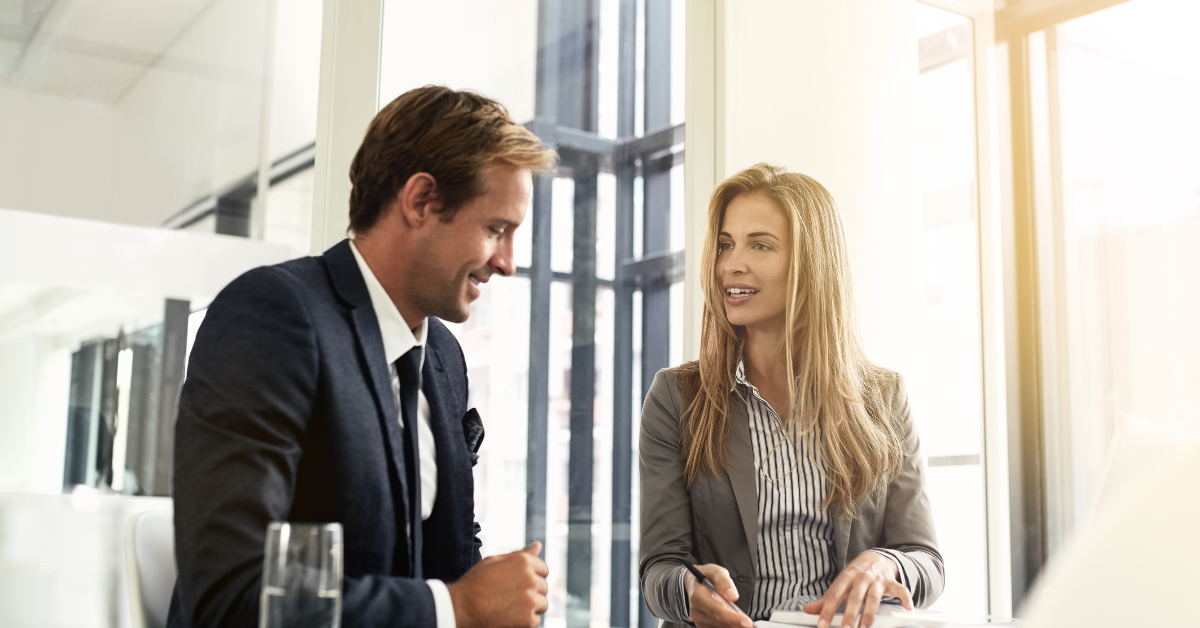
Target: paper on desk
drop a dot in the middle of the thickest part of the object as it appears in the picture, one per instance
(891, 614)
(902, 619)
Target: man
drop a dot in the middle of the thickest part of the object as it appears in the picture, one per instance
(326, 389)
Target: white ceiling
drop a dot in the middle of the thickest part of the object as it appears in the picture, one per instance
(89, 49)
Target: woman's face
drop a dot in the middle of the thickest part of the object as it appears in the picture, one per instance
(755, 250)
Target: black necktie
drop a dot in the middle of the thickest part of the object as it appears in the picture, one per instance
(408, 367)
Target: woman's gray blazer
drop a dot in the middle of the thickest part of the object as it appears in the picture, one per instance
(716, 521)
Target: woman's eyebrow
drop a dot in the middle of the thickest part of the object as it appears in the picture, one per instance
(756, 234)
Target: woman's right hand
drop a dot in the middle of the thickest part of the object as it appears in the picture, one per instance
(708, 611)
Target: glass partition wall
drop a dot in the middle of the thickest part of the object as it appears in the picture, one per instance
(117, 119)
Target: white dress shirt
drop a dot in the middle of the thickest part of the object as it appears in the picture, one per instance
(398, 339)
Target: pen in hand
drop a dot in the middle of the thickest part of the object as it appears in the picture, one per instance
(707, 583)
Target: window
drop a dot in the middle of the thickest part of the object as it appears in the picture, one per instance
(560, 355)
(1117, 179)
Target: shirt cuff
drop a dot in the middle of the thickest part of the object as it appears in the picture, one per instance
(442, 604)
(683, 596)
(901, 577)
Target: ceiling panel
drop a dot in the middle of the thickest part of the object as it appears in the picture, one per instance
(229, 35)
(9, 51)
(69, 75)
(12, 13)
(146, 26)
(91, 49)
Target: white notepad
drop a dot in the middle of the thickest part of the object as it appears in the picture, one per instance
(890, 615)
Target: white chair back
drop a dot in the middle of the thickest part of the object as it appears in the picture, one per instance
(150, 567)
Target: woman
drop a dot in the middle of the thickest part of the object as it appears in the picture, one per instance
(783, 461)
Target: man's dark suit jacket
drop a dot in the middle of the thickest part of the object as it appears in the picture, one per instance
(288, 414)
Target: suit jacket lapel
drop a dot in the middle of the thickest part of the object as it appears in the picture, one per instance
(352, 289)
(454, 506)
(442, 421)
(741, 472)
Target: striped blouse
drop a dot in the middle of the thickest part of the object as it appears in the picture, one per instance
(795, 533)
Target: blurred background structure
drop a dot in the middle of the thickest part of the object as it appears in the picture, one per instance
(1019, 182)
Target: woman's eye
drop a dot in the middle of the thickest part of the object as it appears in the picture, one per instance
(760, 246)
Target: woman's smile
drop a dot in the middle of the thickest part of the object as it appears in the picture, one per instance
(738, 294)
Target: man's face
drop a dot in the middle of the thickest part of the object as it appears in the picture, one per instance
(454, 257)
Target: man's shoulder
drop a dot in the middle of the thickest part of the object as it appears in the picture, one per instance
(303, 272)
(298, 277)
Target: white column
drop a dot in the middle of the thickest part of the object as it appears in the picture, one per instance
(348, 99)
(704, 142)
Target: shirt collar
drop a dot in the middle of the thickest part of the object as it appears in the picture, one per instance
(398, 337)
(739, 376)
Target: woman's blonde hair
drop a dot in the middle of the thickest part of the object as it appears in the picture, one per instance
(835, 393)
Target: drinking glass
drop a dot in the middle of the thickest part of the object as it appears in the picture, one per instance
(302, 576)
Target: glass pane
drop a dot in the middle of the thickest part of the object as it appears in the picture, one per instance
(430, 43)
(562, 225)
(116, 120)
(288, 220)
(602, 529)
(495, 341)
(523, 240)
(946, 390)
(129, 114)
(1129, 90)
(606, 236)
(558, 452)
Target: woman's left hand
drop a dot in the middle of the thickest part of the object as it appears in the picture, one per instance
(861, 585)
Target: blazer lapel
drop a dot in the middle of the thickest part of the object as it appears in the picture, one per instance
(442, 421)
(453, 460)
(348, 281)
(741, 473)
(841, 539)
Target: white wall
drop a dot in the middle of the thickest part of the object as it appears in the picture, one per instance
(829, 89)
(34, 385)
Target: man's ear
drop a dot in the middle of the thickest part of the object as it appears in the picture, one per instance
(419, 200)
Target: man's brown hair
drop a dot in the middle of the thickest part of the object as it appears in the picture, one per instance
(451, 135)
